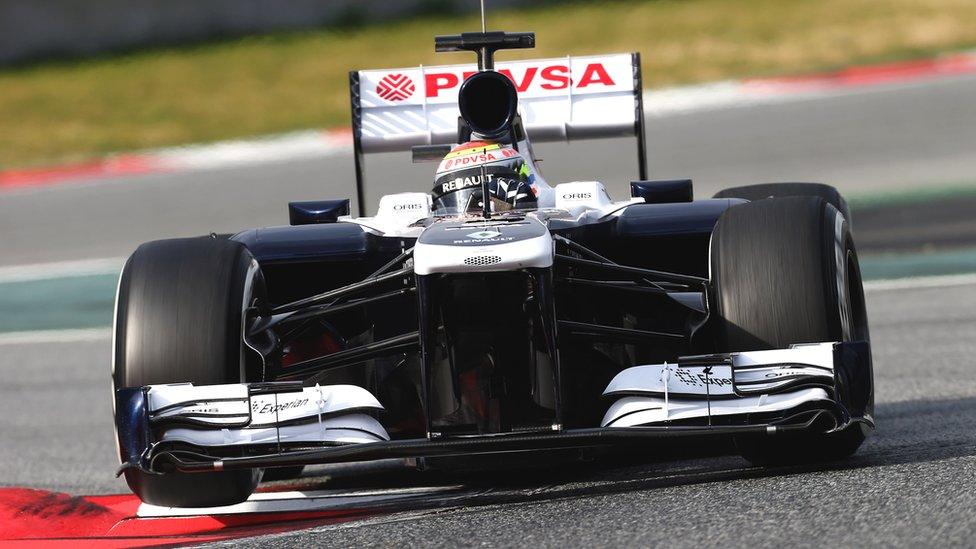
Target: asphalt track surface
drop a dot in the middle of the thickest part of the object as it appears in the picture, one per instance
(912, 484)
(867, 140)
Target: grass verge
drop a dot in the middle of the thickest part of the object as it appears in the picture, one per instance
(69, 111)
(886, 199)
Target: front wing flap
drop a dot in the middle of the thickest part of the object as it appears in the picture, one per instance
(833, 377)
(189, 428)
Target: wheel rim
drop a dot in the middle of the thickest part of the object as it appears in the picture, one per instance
(855, 297)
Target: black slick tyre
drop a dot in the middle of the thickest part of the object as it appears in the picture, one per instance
(785, 271)
(178, 319)
(283, 473)
(829, 194)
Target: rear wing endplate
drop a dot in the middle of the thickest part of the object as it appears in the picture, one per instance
(560, 99)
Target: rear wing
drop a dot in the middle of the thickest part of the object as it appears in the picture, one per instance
(559, 100)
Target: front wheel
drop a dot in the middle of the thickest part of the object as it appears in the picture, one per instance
(785, 271)
(179, 314)
(761, 191)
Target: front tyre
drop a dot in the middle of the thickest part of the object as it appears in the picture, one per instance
(760, 191)
(785, 271)
(179, 315)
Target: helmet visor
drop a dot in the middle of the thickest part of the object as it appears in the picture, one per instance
(460, 192)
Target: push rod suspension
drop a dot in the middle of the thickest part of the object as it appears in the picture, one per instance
(637, 271)
(344, 291)
(402, 343)
(576, 246)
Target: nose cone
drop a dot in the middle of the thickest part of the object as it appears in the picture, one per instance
(483, 246)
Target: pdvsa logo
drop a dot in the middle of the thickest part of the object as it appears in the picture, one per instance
(536, 78)
(395, 87)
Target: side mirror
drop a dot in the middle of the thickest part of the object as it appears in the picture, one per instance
(664, 191)
(317, 211)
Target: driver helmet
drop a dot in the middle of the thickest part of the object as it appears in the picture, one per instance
(457, 184)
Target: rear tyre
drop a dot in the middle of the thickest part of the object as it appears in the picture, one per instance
(785, 271)
(179, 315)
(829, 194)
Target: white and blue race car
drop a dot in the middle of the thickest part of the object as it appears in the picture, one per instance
(497, 314)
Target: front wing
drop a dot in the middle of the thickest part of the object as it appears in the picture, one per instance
(181, 427)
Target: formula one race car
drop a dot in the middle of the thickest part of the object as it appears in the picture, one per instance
(497, 314)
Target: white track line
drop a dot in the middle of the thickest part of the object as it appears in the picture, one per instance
(319, 500)
(56, 336)
(300, 145)
(729, 94)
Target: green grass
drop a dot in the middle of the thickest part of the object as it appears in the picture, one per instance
(65, 111)
(872, 200)
(924, 263)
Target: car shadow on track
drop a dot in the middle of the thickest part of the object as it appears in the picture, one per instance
(909, 432)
